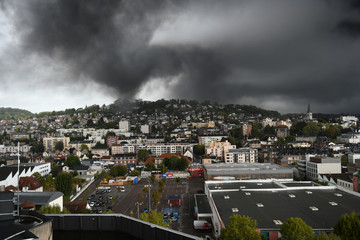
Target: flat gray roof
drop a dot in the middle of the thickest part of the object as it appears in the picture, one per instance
(245, 168)
(278, 205)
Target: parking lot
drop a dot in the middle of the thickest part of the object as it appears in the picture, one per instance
(125, 201)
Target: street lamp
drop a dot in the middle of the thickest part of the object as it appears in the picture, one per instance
(138, 205)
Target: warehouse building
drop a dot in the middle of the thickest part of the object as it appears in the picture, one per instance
(272, 202)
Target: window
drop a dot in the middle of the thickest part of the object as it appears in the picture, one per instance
(235, 210)
(260, 205)
(314, 208)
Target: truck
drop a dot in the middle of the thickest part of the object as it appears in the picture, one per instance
(201, 225)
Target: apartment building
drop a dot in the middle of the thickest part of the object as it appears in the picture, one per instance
(50, 142)
(219, 149)
(242, 155)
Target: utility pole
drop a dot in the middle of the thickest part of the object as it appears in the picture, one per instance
(149, 197)
(18, 176)
(138, 205)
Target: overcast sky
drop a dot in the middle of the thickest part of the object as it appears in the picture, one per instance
(278, 54)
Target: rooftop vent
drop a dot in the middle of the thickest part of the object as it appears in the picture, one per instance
(260, 205)
(308, 192)
(235, 210)
(291, 195)
(226, 197)
(242, 187)
(314, 208)
(333, 203)
(338, 194)
(277, 222)
(259, 184)
(247, 194)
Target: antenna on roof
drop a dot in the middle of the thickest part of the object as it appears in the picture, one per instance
(18, 175)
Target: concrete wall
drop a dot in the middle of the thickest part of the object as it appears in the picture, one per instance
(116, 222)
(44, 231)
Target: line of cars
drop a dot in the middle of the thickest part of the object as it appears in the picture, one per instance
(100, 199)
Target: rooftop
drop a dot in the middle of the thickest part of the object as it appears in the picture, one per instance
(320, 207)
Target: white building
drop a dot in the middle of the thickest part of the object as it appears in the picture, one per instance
(348, 121)
(124, 126)
(352, 157)
(9, 174)
(161, 148)
(318, 165)
(242, 155)
(14, 149)
(351, 138)
(145, 129)
(206, 140)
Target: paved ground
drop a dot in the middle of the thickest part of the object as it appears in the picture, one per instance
(125, 202)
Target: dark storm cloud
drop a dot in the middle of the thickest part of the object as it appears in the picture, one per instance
(278, 54)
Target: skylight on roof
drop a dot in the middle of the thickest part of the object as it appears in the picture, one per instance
(314, 208)
(226, 197)
(260, 205)
(338, 194)
(259, 184)
(277, 222)
(291, 195)
(247, 194)
(333, 203)
(242, 187)
(235, 210)
(308, 192)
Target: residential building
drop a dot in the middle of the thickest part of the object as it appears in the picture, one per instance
(50, 142)
(207, 139)
(124, 159)
(14, 149)
(161, 148)
(124, 126)
(101, 151)
(117, 149)
(218, 149)
(282, 132)
(246, 129)
(351, 138)
(145, 129)
(241, 155)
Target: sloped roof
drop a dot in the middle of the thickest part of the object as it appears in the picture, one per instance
(30, 182)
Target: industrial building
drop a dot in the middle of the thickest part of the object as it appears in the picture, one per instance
(272, 202)
(247, 171)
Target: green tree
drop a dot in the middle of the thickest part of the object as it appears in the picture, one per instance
(37, 148)
(155, 218)
(344, 160)
(59, 146)
(135, 173)
(40, 178)
(83, 147)
(119, 170)
(72, 160)
(296, 229)
(150, 166)
(311, 129)
(324, 236)
(64, 183)
(53, 210)
(55, 170)
(240, 228)
(199, 150)
(348, 227)
(143, 154)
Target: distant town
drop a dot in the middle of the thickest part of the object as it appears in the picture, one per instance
(194, 168)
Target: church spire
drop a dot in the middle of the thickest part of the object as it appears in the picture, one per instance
(309, 111)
